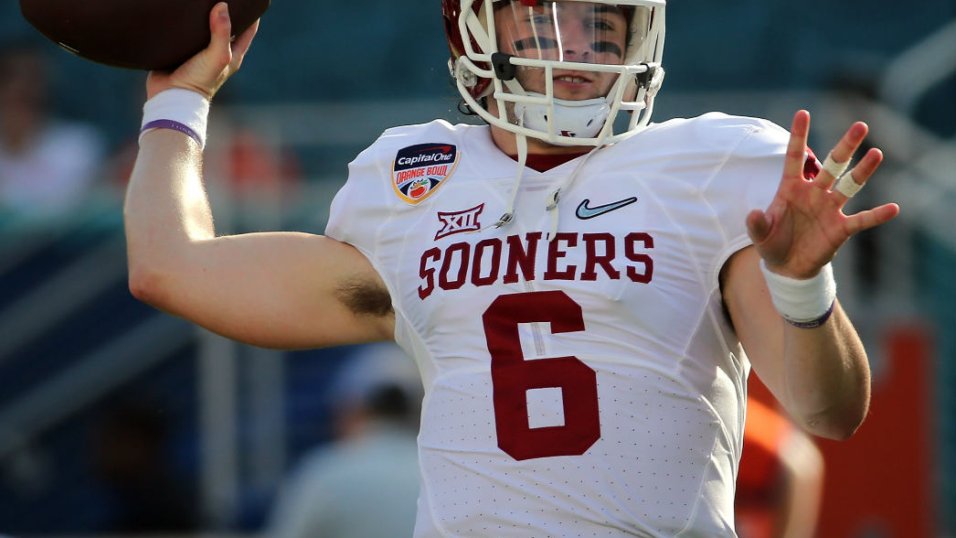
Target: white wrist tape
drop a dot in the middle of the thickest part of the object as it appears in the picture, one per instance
(181, 110)
(803, 303)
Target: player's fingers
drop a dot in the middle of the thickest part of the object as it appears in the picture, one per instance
(855, 179)
(241, 45)
(841, 154)
(871, 218)
(797, 147)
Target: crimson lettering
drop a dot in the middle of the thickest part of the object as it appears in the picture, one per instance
(512, 259)
(480, 254)
(555, 252)
(603, 260)
(461, 251)
(519, 256)
(632, 253)
(426, 273)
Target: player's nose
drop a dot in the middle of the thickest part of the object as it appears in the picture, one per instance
(576, 43)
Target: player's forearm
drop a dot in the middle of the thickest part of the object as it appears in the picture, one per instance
(166, 208)
(827, 377)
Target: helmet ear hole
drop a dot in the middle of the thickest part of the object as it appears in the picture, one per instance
(644, 79)
(504, 69)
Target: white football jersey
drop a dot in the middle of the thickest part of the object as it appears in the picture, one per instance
(586, 384)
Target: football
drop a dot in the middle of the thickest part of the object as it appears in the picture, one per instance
(135, 34)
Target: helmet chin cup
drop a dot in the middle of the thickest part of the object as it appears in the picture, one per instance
(574, 119)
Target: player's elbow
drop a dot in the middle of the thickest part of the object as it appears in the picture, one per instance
(148, 284)
(157, 273)
(836, 424)
(834, 432)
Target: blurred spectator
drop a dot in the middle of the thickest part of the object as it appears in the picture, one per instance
(364, 485)
(252, 177)
(129, 457)
(47, 165)
(780, 480)
(260, 177)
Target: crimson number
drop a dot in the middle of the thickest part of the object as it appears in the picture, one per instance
(512, 377)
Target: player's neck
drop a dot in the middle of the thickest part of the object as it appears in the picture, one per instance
(507, 142)
(541, 155)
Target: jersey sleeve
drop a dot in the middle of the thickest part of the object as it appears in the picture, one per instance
(364, 211)
(747, 180)
(360, 207)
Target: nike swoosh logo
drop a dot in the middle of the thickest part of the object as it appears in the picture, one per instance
(584, 212)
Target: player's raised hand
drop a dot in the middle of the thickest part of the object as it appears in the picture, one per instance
(805, 225)
(208, 70)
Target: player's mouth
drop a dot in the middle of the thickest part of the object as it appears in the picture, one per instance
(575, 85)
(572, 81)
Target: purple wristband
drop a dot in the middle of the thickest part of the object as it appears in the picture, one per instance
(814, 323)
(174, 125)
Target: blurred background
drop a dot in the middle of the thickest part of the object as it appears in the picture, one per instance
(117, 419)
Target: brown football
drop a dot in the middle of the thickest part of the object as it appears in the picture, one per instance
(136, 34)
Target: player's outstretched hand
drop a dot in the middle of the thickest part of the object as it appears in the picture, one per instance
(208, 70)
(805, 225)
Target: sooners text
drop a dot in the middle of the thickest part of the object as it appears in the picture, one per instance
(513, 258)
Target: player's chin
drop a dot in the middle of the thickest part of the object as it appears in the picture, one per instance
(577, 92)
(580, 90)
(568, 91)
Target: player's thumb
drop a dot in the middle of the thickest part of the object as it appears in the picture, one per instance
(758, 226)
(220, 26)
(206, 72)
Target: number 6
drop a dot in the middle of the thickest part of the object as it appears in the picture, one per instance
(512, 377)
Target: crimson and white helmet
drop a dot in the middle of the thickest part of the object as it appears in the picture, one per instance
(560, 71)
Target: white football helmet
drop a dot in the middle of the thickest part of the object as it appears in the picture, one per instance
(561, 71)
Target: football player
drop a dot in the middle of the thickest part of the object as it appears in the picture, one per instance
(780, 479)
(584, 292)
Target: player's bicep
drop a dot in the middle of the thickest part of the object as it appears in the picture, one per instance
(279, 290)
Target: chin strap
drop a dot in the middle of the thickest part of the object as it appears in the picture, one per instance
(555, 196)
(509, 214)
(603, 131)
(589, 118)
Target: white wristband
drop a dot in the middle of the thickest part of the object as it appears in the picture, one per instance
(181, 110)
(802, 303)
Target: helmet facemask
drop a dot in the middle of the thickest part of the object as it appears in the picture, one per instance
(560, 71)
